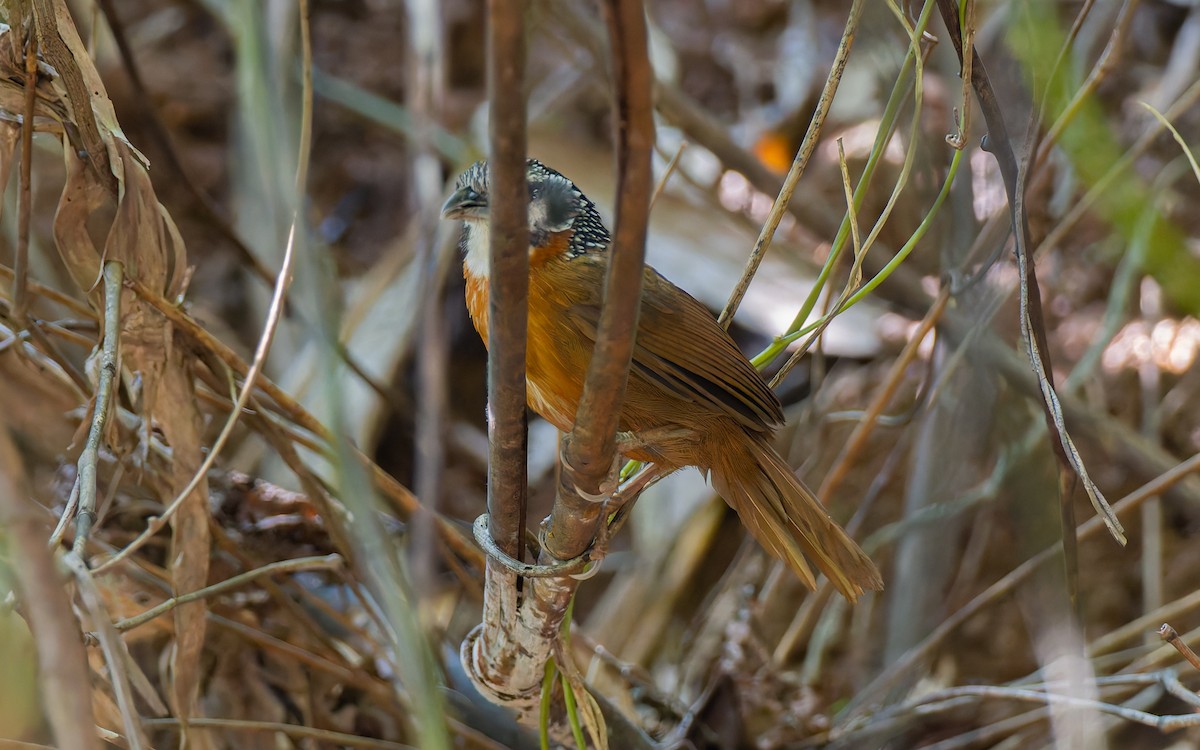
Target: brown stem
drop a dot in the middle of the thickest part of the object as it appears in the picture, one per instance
(492, 654)
(590, 449)
(508, 310)
(1171, 636)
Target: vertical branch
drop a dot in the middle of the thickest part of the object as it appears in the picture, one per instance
(508, 311)
(502, 667)
(590, 449)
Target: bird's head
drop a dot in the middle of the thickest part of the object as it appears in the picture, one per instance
(560, 215)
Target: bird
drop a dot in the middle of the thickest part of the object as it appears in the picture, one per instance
(692, 398)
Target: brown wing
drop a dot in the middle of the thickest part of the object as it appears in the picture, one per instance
(688, 355)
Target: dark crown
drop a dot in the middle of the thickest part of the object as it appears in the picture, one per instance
(562, 202)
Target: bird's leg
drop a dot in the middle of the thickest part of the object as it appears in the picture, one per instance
(652, 441)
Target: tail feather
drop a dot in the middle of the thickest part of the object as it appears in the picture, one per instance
(788, 520)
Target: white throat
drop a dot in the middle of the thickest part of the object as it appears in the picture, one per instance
(476, 247)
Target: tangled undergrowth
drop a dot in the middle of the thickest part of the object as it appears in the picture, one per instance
(254, 500)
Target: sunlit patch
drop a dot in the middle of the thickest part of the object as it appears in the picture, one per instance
(737, 194)
(735, 191)
(986, 184)
(857, 141)
(1171, 345)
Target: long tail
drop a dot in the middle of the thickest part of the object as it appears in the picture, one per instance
(787, 519)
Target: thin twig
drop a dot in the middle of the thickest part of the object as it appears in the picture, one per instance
(280, 401)
(356, 677)
(1109, 642)
(666, 175)
(962, 117)
(274, 312)
(323, 562)
(115, 653)
(1169, 634)
(1105, 65)
(292, 730)
(114, 272)
(847, 459)
(948, 698)
(1014, 174)
(918, 52)
(1014, 578)
(67, 301)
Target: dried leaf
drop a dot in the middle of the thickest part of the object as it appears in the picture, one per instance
(81, 197)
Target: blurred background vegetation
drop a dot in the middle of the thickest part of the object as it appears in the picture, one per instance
(927, 441)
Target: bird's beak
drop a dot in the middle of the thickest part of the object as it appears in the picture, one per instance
(465, 203)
